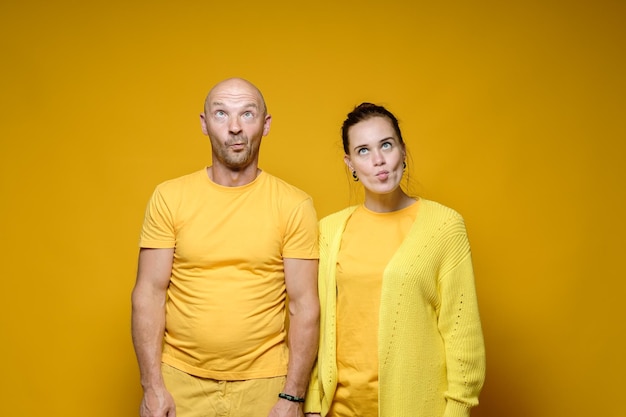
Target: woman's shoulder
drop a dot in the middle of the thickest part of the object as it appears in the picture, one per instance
(439, 215)
(337, 218)
(437, 209)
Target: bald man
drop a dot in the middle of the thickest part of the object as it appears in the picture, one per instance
(221, 249)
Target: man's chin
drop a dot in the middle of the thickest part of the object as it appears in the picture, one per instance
(237, 165)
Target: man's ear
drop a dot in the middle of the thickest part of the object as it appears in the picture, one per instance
(267, 124)
(203, 124)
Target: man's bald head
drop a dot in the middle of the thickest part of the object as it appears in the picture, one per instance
(235, 88)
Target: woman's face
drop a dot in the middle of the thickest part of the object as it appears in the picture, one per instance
(376, 154)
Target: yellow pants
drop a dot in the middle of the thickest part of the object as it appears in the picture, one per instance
(203, 397)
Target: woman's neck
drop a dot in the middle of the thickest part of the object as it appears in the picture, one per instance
(386, 203)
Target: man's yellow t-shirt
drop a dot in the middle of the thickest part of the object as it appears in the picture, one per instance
(225, 310)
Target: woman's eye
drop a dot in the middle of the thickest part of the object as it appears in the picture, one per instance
(386, 145)
(362, 151)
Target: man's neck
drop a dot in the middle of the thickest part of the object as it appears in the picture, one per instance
(229, 178)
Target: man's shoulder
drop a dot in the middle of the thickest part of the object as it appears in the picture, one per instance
(183, 181)
(283, 188)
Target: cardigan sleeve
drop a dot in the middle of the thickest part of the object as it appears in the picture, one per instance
(459, 324)
(313, 401)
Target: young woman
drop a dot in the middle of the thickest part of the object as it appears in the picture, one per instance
(400, 329)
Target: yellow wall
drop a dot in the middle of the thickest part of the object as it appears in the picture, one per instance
(514, 113)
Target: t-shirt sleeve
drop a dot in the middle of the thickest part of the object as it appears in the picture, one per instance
(301, 233)
(158, 226)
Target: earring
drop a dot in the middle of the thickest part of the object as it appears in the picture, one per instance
(403, 165)
(354, 176)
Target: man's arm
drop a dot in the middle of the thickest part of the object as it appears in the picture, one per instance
(304, 311)
(148, 326)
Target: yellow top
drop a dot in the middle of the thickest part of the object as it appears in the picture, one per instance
(431, 355)
(369, 241)
(225, 310)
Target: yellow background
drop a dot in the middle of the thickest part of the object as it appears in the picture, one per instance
(514, 113)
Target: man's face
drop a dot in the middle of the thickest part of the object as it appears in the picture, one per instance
(235, 120)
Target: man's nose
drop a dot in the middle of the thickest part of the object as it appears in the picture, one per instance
(234, 126)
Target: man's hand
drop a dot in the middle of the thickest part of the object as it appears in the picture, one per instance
(157, 403)
(148, 326)
(284, 408)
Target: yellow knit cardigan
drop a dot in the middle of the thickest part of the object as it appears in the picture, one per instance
(430, 345)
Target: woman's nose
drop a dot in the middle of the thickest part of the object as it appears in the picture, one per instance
(378, 158)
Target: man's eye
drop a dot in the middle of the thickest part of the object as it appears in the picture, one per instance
(220, 114)
(248, 115)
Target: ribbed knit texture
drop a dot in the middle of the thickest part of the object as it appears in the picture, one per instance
(431, 351)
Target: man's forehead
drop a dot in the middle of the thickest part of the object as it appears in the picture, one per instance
(235, 94)
(234, 100)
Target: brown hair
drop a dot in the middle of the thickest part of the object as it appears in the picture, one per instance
(365, 111)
